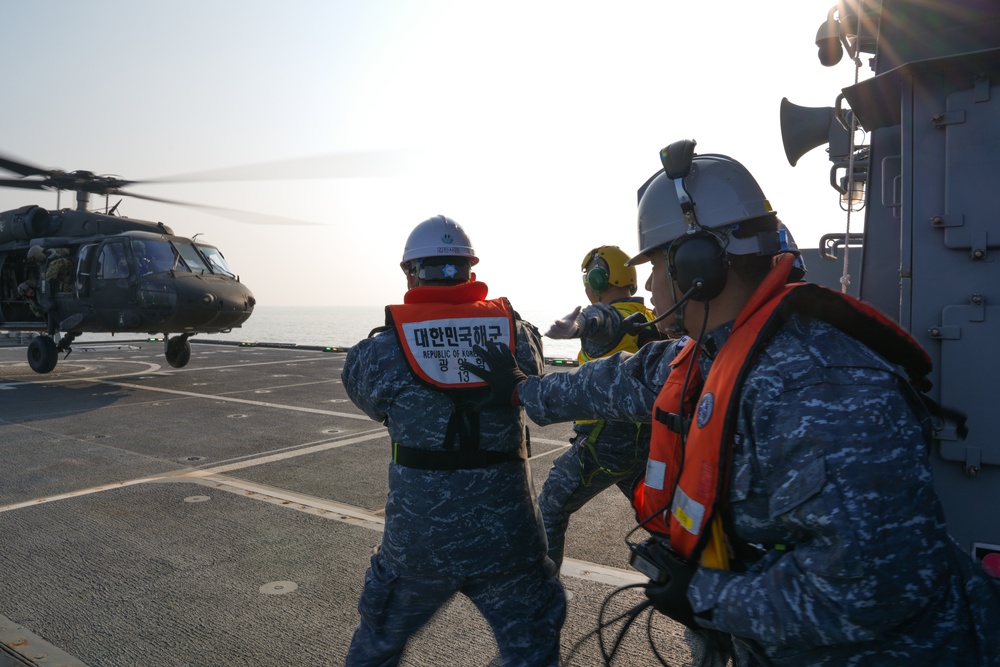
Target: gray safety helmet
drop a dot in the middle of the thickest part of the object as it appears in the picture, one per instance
(438, 237)
(724, 194)
(36, 254)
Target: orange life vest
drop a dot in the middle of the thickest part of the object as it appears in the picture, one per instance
(686, 478)
(438, 325)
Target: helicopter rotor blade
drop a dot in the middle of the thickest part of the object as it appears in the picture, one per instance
(359, 164)
(249, 217)
(19, 167)
(19, 183)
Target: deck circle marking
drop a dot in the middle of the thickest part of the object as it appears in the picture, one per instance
(278, 587)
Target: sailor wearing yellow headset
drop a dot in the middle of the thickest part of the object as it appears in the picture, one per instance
(602, 453)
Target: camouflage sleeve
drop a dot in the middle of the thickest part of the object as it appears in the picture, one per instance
(834, 468)
(361, 376)
(621, 387)
(600, 329)
(529, 348)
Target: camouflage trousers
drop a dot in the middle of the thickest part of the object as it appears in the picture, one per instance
(525, 609)
(591, 464)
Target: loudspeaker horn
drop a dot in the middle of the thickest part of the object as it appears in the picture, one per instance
(804, 128)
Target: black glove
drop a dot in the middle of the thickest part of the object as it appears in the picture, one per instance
(502, 374)
(602, 328)
(635, 323)
(670, 597)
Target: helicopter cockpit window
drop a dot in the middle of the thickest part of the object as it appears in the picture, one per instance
(192, 258)
(156, 257)
(216, 260)
(113, 263)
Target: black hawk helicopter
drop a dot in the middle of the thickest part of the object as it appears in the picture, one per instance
(68, 272)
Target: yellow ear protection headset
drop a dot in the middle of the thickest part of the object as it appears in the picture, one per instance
(616, 274)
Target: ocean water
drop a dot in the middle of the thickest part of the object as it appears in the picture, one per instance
(343, 326)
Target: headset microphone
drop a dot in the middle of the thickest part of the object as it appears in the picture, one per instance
(636, 322)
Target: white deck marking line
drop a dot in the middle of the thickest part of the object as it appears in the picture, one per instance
(602, 574)
(281, 456)
(151, 368)
(300, 502)
(205, 472)
(560, 445)
(293, 448)
(549, 441)
(76, 494)
(244, 401)
(358, 516)
(190, 473)
(248, 364)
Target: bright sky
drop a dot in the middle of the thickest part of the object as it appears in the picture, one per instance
(530, 122)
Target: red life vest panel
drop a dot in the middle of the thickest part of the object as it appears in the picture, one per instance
(438, 325)
(699, 464)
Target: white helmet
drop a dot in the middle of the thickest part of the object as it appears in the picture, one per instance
(438, 237)
(695, 192)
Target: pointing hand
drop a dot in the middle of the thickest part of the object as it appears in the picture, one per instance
(565, 327)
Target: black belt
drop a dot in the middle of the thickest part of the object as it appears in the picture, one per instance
(423, 459)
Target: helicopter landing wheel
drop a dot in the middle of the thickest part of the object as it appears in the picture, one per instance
(42, 354)
(178, 352)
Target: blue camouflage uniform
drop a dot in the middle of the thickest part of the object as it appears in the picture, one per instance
(602, 453)
(831, 483)
(474, 531)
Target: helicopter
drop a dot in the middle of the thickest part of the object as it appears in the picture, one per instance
(73, 271)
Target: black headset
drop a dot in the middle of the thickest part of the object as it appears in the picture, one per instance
(698, 261)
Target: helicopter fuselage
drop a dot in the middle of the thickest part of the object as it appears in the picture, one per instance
(118, 275)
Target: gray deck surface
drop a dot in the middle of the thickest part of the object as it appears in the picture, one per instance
(223, 513)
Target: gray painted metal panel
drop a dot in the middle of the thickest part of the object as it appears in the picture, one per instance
(950, 134)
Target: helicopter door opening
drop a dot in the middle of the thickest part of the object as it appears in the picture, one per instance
(15, 301)
(113, 292)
